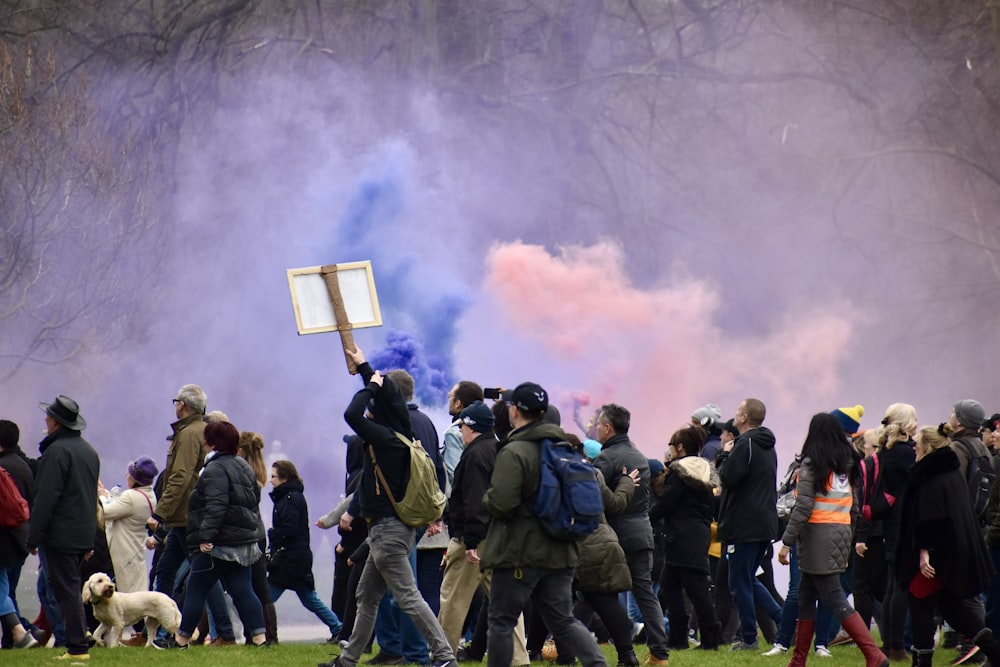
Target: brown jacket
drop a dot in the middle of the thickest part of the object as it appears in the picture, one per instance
(185, 457)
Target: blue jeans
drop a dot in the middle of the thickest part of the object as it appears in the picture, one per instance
(311, 601)
(551, 591)
(790, 610)
(748, 592)
(205, 573)
(388, 566)
(219, 622)
(47, 599)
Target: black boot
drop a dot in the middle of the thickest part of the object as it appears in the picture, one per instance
(922, 657)
(985, 640)
(627, 658)
(711, 636)
(270, 624)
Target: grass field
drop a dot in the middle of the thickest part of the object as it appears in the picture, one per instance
(308, 655)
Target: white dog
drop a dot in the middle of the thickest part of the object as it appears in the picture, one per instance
(116, 610)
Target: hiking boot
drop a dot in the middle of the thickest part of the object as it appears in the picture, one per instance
(221, 641)
(655, 661)
(135, 640)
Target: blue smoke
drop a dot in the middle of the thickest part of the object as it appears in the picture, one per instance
(421, 315)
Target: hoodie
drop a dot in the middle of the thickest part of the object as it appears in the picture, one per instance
(749, 475)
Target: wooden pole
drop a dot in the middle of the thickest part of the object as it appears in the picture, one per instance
(329, 273)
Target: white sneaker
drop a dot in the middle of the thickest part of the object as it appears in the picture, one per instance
(777, 649)
(823, 652)
(637, 628)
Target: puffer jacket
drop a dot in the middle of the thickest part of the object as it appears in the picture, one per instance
(515, 537)
(824, 540)
(223, 508)
(684, 510)
(635, 533)
(602, 567)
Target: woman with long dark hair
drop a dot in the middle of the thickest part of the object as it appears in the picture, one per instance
(821, 528)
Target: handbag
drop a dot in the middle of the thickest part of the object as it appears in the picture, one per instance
(274, 558)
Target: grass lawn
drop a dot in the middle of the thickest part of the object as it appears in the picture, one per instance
(309, 655)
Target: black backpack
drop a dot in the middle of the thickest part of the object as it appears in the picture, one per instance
(979, 478)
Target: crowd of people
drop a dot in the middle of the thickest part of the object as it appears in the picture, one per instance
(897, 524)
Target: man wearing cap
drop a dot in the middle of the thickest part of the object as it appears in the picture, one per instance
(185, 458)
(709, 417)
(462, 394)
(526, 562)
(966, 418)
(635, 533)
(64, 514)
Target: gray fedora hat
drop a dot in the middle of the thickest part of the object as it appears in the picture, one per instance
(65, 411)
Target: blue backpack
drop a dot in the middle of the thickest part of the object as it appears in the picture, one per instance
(568, 503)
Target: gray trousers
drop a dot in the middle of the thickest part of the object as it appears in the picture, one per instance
(389, 565)
(640, 564)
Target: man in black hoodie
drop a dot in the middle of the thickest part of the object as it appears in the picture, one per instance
(388, 562)
(748, 520)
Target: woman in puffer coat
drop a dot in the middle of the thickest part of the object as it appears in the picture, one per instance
(822, 526)
(291, 556)
(602, 571)
(685, 508)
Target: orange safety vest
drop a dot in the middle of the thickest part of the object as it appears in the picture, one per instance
(833, 503)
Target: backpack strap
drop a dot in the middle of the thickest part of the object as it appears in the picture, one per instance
(378, 470)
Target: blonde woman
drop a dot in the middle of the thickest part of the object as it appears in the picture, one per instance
(941, 561)
(895, 438)
(251, 448)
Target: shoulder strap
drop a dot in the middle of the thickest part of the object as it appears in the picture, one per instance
(378, 470)
(148, 501)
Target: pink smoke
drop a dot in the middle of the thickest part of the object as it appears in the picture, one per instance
(659, 351)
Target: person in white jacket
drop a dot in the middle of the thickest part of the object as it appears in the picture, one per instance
(127, 513)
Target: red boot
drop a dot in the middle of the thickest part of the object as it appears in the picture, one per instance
(802, 642)
(855, 626)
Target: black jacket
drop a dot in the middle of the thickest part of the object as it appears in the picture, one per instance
(14, 541)
(289, 535)
(223, 508)
(64, 512)
(467, 518)
(896, 463)
(749, 475)
(684, 509)
(632, 526)
(935, 515)
(370, 500)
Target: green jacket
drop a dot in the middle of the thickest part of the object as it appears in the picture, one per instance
(515, 538)
(185, 457)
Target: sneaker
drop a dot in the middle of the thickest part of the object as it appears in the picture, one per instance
(743, 646)
(968, 655)
(27, 641)
(823, 652)
(333, 663)
(637, 628)
(445, 663)
(164, 644)
(464, 655)
(777, 649)
(383, 658)
(73, 656)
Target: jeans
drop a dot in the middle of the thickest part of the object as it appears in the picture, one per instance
(790, 610)
(310, 600)
(47, 599)
(388, 566)
(744, 559)
(550, 591)
(65, 582)
(395, 633)
(205, 573)
(219, 622)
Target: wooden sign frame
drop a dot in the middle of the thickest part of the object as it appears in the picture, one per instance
(314, 303)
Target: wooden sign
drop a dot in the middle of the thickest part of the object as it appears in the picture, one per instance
(335, 297)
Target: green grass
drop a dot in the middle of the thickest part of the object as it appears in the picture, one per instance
(308, 655)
